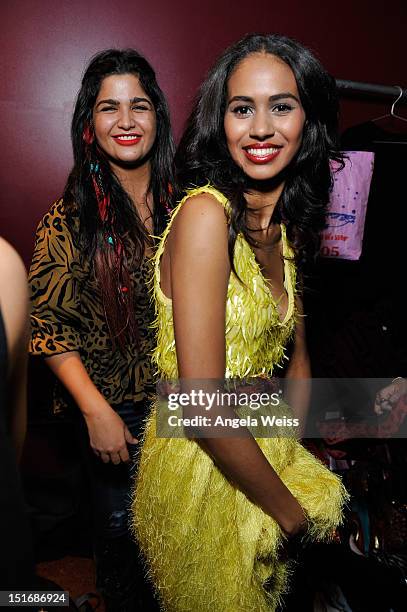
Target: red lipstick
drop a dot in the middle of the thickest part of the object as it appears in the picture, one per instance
(126, 140)
(261, 152)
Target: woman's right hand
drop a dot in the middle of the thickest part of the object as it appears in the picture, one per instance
(108, 434)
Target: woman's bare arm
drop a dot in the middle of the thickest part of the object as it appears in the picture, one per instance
(14, 308)
(108, 434)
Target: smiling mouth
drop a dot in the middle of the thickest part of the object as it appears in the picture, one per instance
(261, 154)
(127, 139)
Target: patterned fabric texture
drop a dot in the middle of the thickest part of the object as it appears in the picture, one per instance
(67, 315)
(209, 548)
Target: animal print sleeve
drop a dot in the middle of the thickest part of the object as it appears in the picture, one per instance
(56, 323)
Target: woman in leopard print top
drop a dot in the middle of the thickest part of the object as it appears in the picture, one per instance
(67, 316)
(91, 310)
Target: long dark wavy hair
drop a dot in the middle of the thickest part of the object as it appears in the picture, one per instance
(111, 234)
(203, 155)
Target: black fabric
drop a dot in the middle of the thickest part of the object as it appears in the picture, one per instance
(16, 563)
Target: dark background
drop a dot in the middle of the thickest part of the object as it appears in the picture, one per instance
(46, 44)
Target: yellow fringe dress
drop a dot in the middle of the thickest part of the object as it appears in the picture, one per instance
(208, 547)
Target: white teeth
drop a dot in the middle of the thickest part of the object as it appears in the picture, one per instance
(126, 137)
(262, 152)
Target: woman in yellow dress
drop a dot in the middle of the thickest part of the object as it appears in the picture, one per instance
(212, 513)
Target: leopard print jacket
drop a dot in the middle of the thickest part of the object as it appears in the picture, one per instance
(67, 315)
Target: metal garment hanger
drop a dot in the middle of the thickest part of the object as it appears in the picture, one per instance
(392, 113)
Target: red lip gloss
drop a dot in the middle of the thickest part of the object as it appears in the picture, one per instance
(261, 159)
(126, 142)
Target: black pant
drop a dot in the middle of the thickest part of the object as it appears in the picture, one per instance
(120, 572)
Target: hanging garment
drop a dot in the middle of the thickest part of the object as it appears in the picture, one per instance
(357, 323)
(345, 219)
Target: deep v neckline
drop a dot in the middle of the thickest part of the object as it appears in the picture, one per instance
(287, 281)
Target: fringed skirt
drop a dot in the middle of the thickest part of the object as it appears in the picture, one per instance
(207, 546)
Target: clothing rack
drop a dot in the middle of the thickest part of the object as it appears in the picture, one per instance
(357, 87)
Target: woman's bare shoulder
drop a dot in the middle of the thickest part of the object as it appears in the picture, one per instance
(199, 215)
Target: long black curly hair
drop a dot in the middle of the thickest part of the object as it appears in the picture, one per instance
(111, 234)
(203, 155)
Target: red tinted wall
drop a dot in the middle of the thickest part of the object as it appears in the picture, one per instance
(46, 44)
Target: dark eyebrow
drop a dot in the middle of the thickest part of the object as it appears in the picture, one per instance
(117, 103)
(137, 100)
(283, 96)
(108, 101)
(275, 98)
